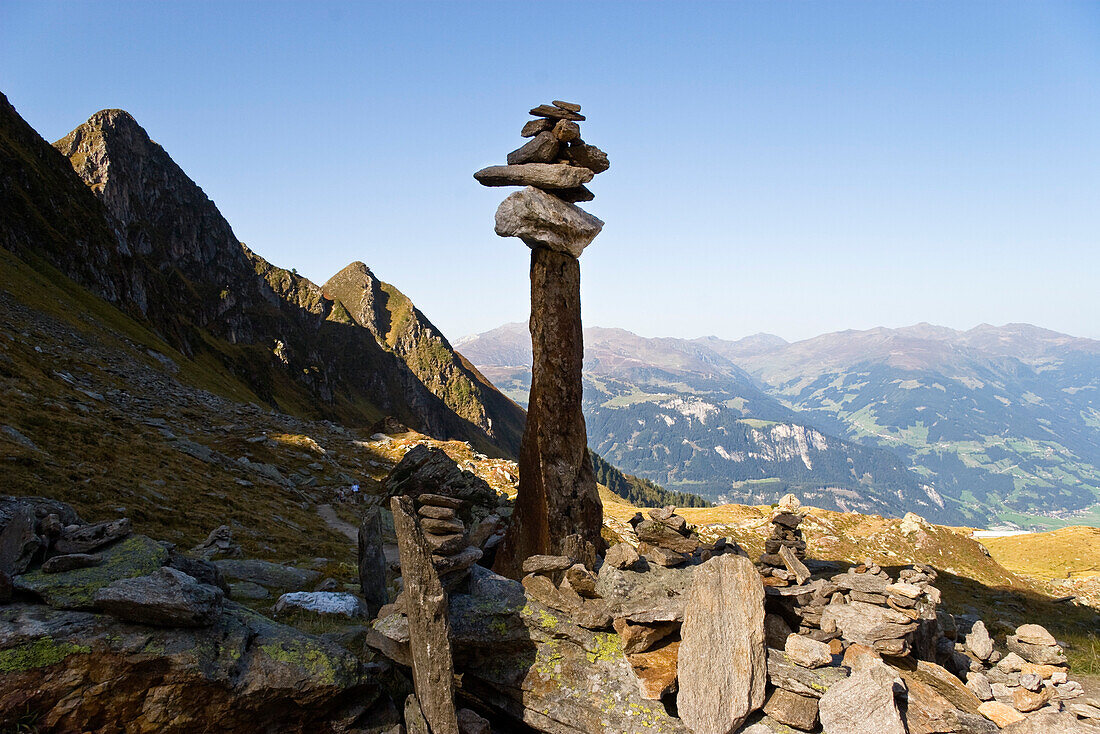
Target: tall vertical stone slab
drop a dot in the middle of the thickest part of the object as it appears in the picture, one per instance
(722, 667)
(429, 627)
(557, 487)
(372, 561)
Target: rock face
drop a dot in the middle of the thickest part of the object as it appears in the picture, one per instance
(542, 219)
(723, 668)
(557, 493)
(168, 598)
(429, 628)
(88, 672)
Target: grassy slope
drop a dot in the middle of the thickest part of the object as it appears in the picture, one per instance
(1068, 552)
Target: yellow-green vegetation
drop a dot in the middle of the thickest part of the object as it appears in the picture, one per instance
(1064, 553)
(305, 655)
(39, 653)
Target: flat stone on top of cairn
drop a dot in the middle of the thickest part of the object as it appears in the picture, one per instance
(558, 510)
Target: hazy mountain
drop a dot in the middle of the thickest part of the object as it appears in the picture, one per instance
(677, 412)
(1004, 418)
(113, 212)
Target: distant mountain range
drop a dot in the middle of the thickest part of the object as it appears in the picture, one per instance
(994, 423)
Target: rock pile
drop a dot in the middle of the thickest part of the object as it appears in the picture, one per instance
(666, 539)
(446, 536)
(785, 550)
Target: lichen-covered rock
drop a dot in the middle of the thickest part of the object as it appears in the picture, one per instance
(88, 672)
(75, 589)
(166, 597)
(266, 573)
(645, 593)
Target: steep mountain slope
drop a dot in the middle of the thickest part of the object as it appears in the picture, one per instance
(998, 418)
(401, 328)
(136, 231)
(676, 412)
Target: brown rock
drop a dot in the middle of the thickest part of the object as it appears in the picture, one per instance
(546, 564)
(570, 106)
(458, 562)
(574, 195)
(545, 110)
(799, 712)
(57, 564)
(661, 556)
(87, 538)
(622, 556)
(442, 527)
(657, 533)
(438, 500)
(795, 566)
(865, 703)
(1034, 634)
(565, 131)
(1027, 701)
(836, 646)
(857, 657)
(581, 580)
(776, 631)
(1000, 714)
(641, 637)
(429, 628)
(557, 493)
(543, 148)
(470, 723)
(436, 513)
(723, 646)
(807, 652)
(587, 156)
(534, 127)
(443, 545)
(656, 669)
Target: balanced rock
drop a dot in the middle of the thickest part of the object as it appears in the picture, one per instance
(545, 110)
(566, 130)
(722, 654)
(586, 156)
(536, 126)
(1034, 634)
(543, 148)
(979, 642)
(167, 597)
(540, 175)
(541, 219)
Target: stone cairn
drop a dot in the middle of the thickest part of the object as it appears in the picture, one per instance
(445, 533)
(558, 509)
(785, 550)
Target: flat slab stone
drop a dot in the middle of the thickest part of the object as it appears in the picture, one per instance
(322, 603)
(267, 573)
(543, 220)
(723, 653)
(545, 110)
(540, 175)
(167, 598)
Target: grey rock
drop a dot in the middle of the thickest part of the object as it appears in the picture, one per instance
(248, 590)
(794, 565)
(165, 598)
(429, 476)
(539, 175)
(886, 630)
(372, 561)
(622, 556)
(218, 543)
(1047, 723)
(864, 703)
(442, 527)
(470, 723)
(722, 653)
(135, 556)
(266, 573)
(792, 709)
(979, 642)
(70, 562)
(321, 604)
(436, 513)
(980, 685)
(652, 594)
(88, 538)
(458, 562)
(543, 148)
(1034, 634)
(1041, 654)
(546, 564)
(807, 652)
(415, 723)
(659, 533)
(203, 571)
(784, 673)
(19, 544)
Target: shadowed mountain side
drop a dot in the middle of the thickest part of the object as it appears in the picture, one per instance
(140, 234)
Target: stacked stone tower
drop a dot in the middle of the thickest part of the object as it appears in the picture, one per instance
(558, 510)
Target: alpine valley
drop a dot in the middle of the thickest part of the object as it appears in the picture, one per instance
(990, 425)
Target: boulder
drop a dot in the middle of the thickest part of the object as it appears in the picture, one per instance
(588, 613)
(80, 671)
(543, 220)
(88, 538)
(722, 653)
(135, 556)
(203, 571)
(1027, 701)
(938, 703)
(655, 594)
(979, 685)
(792, 709)
(19, 545)
(865, 703)
(427, 470)
(322, 604)
(659, 534)
(538, 175)
(884, 629)
(266, 573)
(566, 130)
(167, 598)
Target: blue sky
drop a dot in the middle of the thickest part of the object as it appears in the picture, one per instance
(794, 168)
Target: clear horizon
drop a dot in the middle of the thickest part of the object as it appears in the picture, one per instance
(784, 168)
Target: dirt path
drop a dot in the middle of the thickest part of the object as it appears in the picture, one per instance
(328, 514)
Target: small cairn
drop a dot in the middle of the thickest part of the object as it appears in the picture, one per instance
(785, 550)
(445, 533)
(666, 539)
